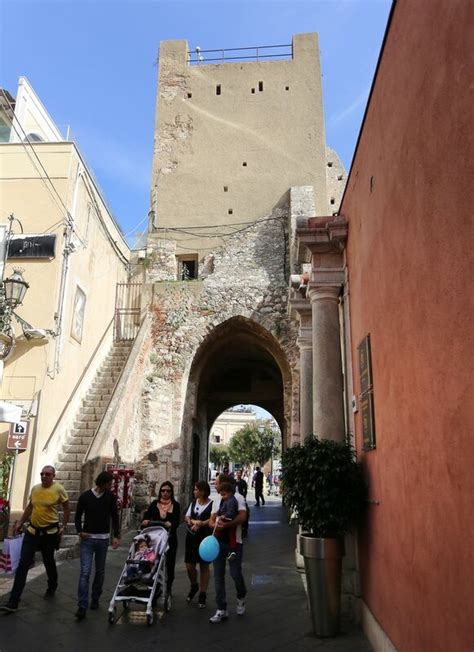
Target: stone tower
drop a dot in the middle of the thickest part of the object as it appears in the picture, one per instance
(231, 139)
(240, 156)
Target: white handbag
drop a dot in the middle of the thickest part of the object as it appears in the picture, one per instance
(10, 556)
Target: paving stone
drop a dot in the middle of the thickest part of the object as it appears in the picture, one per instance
(276, 620)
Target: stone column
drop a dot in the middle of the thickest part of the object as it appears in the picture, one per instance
(328, 407)
(305, 344)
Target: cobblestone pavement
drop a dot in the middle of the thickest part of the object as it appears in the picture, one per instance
(277, 617)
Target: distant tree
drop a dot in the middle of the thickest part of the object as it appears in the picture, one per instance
(218, 455)
(255, 443)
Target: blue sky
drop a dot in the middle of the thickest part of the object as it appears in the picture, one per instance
(93, 64)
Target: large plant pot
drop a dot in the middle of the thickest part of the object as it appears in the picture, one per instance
(323, 565)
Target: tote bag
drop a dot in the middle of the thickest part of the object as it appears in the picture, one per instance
(10, 556)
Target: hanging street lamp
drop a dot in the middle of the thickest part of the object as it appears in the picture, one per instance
(15, 288)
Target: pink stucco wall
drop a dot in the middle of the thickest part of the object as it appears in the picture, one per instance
(409, 206)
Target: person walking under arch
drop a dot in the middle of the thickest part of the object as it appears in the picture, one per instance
(99, 508)
(197, 518)
(166, 511)
(234, 561)
(258, 484)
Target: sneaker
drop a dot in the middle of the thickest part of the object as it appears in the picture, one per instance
(231, 555)
(81, 613)
(49, 593)
(9, 607)
(94, 604)
(202, 600)
(192, 592)
(219, 616)
(240, 610)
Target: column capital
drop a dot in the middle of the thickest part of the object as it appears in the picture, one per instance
(299, 308)
(329, 292)
(322, 234)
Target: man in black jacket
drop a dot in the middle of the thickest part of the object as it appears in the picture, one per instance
(258, 484)
(99, 507)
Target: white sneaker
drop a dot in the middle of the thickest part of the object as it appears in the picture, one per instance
(219, 616)
(240, 607)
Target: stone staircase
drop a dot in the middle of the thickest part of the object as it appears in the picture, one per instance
(87, 421)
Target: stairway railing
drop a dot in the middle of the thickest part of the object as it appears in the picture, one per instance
(77, 385)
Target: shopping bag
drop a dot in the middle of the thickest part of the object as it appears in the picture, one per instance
(10, 556)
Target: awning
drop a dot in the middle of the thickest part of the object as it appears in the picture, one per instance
(10, 413)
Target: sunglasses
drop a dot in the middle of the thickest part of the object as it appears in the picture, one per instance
(46, 474)
(165, 491)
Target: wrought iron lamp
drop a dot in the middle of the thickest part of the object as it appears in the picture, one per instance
(15, 288)
(12, 293)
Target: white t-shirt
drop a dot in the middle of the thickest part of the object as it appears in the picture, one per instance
(216, 503)
(198, 508)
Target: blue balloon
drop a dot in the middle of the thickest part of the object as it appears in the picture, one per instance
(209, 548)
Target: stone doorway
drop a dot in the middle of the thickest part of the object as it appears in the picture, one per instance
(239, 362)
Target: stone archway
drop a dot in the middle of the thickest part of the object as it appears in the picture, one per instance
(238, 362)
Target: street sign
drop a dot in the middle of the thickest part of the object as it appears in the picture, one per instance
(18, 436)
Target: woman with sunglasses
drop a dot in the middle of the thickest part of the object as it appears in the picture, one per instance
(166, 511)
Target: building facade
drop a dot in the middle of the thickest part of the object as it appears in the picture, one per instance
(72, 254)
(397, 264)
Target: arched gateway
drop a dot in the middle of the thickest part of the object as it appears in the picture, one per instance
(238, 362)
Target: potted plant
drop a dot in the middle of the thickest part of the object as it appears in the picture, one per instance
(325, 486)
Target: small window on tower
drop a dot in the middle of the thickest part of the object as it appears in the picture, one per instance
(260, 86)
(187, 267)
(218, 89)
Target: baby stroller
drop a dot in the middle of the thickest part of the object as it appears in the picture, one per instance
(142, 581)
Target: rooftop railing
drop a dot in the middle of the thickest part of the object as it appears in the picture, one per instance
(259, 53)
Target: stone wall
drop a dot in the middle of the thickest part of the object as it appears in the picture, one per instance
(246, 277)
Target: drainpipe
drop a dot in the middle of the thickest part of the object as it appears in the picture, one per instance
(67, 251)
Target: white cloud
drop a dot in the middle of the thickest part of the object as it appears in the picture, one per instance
(349, 110)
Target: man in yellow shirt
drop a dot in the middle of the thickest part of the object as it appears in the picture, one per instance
(43, 533)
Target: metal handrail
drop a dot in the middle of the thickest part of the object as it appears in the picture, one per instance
(86, 454)
(81, 377)
(199, 58)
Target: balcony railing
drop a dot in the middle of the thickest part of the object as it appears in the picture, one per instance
(258, 53)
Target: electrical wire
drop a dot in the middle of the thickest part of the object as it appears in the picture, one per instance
(27, 140)
(98, 212)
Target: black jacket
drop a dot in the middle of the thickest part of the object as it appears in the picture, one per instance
(98, 512)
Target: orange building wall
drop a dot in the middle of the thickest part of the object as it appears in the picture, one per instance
(409, 204)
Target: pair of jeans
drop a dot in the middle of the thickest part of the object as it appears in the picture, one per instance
(46, 544)
(91, 549)
(235, 565)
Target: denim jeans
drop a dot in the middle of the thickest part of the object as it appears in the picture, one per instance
(90, 549)
(46, 544)
(235, 565)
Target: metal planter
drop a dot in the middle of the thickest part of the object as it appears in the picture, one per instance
(323, 565)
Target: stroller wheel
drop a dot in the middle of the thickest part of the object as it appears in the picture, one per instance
(111, 618)
(125, 605)
(167, 603)
(149, 619)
